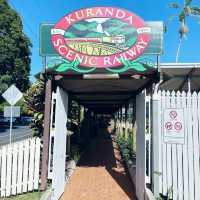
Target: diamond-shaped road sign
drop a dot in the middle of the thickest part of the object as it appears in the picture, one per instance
(12, 95)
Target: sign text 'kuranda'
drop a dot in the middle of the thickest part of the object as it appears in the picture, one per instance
(100, 36)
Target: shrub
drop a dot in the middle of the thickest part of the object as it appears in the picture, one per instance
(126, 147)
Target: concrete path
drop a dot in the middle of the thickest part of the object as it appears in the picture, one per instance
(100, 174)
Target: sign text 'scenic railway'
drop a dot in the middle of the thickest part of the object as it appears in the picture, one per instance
(100, 37)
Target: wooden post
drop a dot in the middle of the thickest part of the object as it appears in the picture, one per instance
(140, 145)
(134, 124)
(46, 133)
(126, 119)
(79, 122)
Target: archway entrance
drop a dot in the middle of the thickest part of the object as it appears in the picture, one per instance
(98, 96)
(101, 67)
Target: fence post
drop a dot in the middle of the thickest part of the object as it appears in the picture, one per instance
(156, 139)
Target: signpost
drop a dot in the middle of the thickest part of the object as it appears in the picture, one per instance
(15, 111)
(173, 125)
(12, 95)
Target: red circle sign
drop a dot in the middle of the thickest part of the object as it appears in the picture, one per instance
(173, 114)
(100, 37)
(168, 126)
(178, 126)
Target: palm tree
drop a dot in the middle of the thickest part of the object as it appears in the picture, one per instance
(187, 10)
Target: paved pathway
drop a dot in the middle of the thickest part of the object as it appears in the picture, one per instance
(100, 175)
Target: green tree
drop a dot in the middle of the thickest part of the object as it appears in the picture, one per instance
(34, 102)
(14, 50)
(184, 11)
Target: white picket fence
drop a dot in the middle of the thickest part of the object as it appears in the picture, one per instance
(19, 167)
(180, 163)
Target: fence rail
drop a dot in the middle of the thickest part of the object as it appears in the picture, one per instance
(180, 163)
(19, 167)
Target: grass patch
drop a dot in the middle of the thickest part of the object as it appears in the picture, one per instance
(28, 196)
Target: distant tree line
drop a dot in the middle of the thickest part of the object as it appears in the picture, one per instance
(14, 50)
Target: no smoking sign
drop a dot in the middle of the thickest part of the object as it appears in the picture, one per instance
(173, 126)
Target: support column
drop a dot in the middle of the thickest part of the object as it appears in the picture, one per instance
(140, 146)
(60, 140)
(134, 124)
(156, 144)
(46, 133)
(79, 122)
(126, 129)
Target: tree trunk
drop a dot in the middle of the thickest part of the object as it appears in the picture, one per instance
(178, 50)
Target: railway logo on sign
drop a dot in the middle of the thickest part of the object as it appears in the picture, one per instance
(100, 37)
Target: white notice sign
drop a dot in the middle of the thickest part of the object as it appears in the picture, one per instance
(15, 111)
(12, 95)
(173, 125)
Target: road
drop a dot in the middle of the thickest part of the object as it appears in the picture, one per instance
(18, 133)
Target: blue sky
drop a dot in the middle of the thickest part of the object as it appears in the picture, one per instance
(35, 12)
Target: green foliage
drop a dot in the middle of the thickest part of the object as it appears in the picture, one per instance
(140, 64)
(23, 108)
(184, 11)
(65, 65)
(73, 112)
(80, 27)
(34, 103)
(166, 197)
(28, 196)
(14, 50)
(4, 103)
(75, 153)
(195, 10)
(174, 5)
(131, 41)
(187, 10)
(126, 146)
(69, 35)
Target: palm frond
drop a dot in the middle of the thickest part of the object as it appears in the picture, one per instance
(188, 2)
(171, 18)
(195, 10)
(165, 28)
(166, 24)
(182, 16)
(174, 5)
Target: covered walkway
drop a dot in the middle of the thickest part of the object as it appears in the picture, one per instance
(100, 174)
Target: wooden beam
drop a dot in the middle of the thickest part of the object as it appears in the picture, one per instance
(99, 100)
(146, 85)
(46, 133)
(103, 93)
(122, 76)
(186, 78)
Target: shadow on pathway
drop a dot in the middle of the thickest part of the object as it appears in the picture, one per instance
(100, 174)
